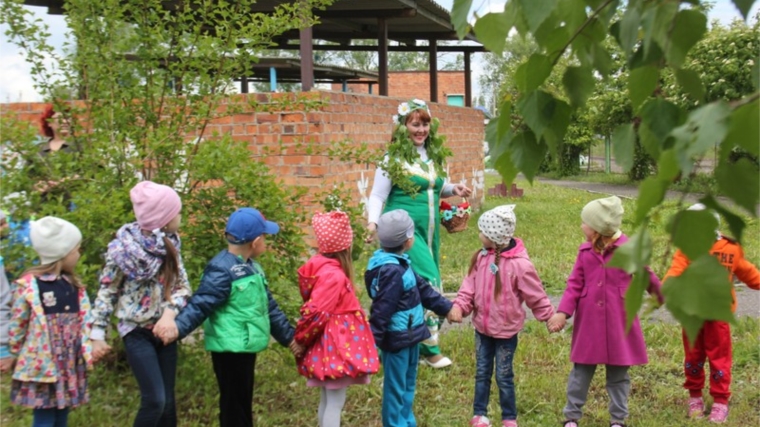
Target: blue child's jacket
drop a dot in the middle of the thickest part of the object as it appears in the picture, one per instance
(398, 298)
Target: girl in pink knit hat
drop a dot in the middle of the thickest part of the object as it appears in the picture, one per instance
(145, 284)
(339, 347)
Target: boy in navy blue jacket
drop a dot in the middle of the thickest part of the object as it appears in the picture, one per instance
(396, 316)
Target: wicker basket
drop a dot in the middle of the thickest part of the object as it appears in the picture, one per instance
(456, 223)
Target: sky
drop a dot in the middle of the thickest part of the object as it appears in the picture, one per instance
(16, 84)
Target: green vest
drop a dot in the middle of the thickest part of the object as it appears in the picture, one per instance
(241, 325)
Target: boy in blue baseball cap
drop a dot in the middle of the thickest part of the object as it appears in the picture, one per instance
(239, 313)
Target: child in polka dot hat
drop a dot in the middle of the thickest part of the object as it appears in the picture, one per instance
(339, 349)
(501, 278)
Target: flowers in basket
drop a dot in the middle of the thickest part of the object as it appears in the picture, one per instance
(454, 218)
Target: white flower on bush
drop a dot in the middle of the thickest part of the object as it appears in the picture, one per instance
(419, 102)
(395, 119)
(403, 109)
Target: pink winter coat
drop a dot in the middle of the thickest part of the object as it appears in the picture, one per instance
(503, 317)
(596, 295)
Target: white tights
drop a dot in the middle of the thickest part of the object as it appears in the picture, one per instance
(330, 406)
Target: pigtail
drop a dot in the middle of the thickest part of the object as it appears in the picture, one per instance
(170, 268)
(497, 273)
(600, 243)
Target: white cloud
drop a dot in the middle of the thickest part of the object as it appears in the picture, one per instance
(16, 84)
(16, 80)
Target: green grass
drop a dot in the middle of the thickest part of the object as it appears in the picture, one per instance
(444, 397)
(597, 176)
(548, 219)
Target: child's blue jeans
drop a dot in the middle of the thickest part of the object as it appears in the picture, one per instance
(400, 378)
(154, 367)
(51, 417)
(488, 349)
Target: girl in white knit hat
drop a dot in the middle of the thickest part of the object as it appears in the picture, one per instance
(595, 295)
(50, 326)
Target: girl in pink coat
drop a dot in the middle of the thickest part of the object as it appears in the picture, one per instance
(595, 294)
(501, 278)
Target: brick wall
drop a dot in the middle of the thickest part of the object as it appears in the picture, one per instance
(414, 84)
(341, 116)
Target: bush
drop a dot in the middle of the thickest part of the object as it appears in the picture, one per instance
(643, 164)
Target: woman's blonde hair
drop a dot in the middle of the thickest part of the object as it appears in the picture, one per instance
(53, 268)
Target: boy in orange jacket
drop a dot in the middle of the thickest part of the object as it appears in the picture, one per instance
(714, 339)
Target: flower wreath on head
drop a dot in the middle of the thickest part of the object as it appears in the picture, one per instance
(406, 108)
(402, 151)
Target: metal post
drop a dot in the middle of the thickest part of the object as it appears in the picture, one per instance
(273, 79)
(467, 81)
(607, 154)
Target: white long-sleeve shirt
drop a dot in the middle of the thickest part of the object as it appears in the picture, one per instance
(382, 185)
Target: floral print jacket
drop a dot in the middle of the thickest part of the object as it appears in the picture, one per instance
(137, 303)
(28, 335)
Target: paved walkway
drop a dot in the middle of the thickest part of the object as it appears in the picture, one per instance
(627, 191)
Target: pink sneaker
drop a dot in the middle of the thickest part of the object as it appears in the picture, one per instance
(480, 421)
(508, 423)
(570, 423)
(719, 413)
(696, 408)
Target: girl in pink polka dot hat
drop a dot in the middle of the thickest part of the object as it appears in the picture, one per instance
(333, 329)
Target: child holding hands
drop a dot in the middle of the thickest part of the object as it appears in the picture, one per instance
(144, 281)
(501, 277)
(239, 313)
(595, 294)
(714, 339)
(340, 349)
(50, 327)
(396, 316)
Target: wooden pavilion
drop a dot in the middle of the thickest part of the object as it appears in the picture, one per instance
(403, 21)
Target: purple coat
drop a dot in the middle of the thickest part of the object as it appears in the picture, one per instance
(596, 295)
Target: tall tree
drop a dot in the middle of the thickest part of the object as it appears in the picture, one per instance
(153, 78)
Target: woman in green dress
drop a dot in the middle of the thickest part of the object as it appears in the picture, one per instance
(412, 178)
